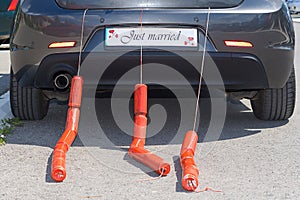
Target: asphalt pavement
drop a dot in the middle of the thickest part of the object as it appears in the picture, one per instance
(250, 159)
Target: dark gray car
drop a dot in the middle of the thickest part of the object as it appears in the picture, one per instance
(250, 41)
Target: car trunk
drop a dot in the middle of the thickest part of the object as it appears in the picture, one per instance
(123, 4)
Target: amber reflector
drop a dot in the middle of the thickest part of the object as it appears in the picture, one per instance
(62, 44)
(233, 43)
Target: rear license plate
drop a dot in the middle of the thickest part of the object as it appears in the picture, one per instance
(151, 37)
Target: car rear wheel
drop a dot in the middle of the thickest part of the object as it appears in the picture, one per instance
(276, 104)
(27, 103)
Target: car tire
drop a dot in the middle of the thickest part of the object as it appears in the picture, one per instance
(276, 104)
(27, 103)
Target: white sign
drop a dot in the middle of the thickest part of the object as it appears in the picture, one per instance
(152, 37)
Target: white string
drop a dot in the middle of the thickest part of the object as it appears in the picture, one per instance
(81, 41)
(202, 69)
(153, 178)
(141, 52)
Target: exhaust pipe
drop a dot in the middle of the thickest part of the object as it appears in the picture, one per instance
(62, 81)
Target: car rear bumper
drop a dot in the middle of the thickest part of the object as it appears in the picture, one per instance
(239, 71)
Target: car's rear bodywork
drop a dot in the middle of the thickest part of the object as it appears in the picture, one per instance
(266, 24)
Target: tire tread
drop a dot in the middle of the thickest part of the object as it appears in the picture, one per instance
(276, 104)
(27, 103)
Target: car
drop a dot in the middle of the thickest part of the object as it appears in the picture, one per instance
(251, 42)
(294, 6)
(7, 13)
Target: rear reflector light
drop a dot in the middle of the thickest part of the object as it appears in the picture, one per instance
(233, 43)
(13, 5)
(62, 45)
